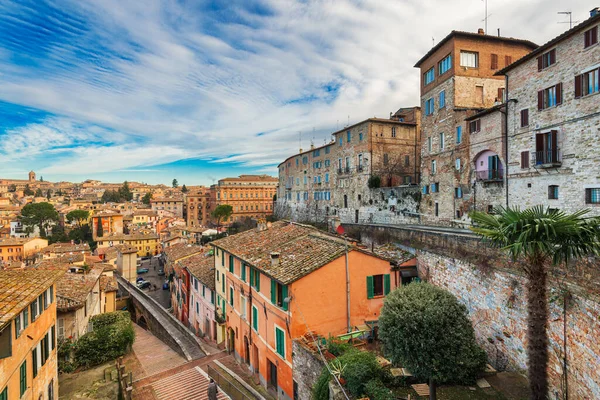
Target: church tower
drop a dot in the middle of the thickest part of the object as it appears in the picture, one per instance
(31, 176)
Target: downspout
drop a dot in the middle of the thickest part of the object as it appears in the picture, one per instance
(506, 137)
(347, 289)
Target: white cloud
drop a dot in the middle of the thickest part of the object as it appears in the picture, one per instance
(170, 75)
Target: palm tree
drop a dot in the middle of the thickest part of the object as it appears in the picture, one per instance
(539, 237)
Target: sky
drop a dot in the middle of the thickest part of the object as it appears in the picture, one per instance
(199, 90)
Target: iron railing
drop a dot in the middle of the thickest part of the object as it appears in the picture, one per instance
(549, 157)
(490, 175)
(227, 386)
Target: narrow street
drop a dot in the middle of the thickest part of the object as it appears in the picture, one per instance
(163, 297)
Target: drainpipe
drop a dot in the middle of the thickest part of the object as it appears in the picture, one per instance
(347, 289)
(506, 137)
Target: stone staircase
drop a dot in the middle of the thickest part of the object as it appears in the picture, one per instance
(191, 384)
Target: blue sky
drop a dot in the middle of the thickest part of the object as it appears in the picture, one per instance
(198, 90)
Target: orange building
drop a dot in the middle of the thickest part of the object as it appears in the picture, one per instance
(28, 357)
(249, 195)
(197, 207)
(276, 282)
(112, 222)
(20, 249)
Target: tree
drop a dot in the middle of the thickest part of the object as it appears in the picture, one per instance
(41, 179)
(538, 237)
(59, 192)
(184, 189)
(27, 191)
(39, 193)
(147, 197)
(175, 184)
(79, 216)
(12, 188)
(124, 193)
(41, 215)
(48, 194)
(222, 212)
(58, 235)
(426, 330)
(99, 228)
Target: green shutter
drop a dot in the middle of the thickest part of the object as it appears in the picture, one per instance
(212, 297)
(34, 361)
(4, 394)
(273, 291)
(251, 276)
(280, 339)
(243, 273)
(223, 285)
(255, 318)
(284, 294)
(386, 284)
(222, 258)
(23, 378)
(231, 264)
(257, 278)
(370, 288)
(231, 296)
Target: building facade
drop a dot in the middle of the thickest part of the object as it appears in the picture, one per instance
(167, 206)
(333, 180)
(197, 207)
(145, 244)
(202, 295)
(111, 222)
(295, 281)
(457, 80)
(28, 356)
(21, 249)
(553, 122)
(250, 196)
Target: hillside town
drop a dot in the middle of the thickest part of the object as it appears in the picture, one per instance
(438, 253)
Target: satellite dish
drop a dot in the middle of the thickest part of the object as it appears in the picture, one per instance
(340, 230)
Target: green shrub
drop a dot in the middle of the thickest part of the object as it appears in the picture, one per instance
(377, 390)
(374, 182)
(359, 368)
(337, 348)
(321, 388)
(112, 337)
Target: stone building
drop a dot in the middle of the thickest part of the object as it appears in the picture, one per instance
(250, 196)
(554, 124)
(167, 206)
(333, 180)
(457, 80)
(197, 207)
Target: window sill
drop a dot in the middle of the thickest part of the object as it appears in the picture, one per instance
(381, 296)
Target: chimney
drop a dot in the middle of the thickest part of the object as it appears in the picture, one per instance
(594, 12)
(480, 31)
(274, 258)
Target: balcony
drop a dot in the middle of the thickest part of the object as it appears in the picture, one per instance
(490, 175)
(549, 158)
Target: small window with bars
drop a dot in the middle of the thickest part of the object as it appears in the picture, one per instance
(592, 195)
(553, 192)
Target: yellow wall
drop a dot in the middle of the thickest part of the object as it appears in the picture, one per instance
(21, 351)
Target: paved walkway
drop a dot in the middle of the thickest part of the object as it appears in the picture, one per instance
(186, 385)
(153, 355)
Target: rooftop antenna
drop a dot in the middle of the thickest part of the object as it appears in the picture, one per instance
(486, 15)
(300, 141)
(571, 22)
(348, 120)
(432, 41)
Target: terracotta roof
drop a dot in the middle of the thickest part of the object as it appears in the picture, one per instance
(181, 250)
(246, 178)
(393, 254)
(13, 241)
(72, 289)
(202, 267)
(66, 247)
(474, 35)
(21, 287)
(108, 283)
(60, 263)
(485, 112)
(588, 22)
(124, 237)
(302, 249)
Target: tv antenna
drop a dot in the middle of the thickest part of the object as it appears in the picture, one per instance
(571, 22)
(485, 20)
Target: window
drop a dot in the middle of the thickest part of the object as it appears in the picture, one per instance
(393, 131)
(341, 140)
(243, 306)
(435, 187)
(546, 59)
(327, 163)
(316, 153)
(553, 192)
(360, 136)
(386, 159)
(457, 164)
(590, 37)
(407, 161)
(458, 134)
(4, 394)
(243, 266)
(442, 99)
(507, 60)
(255, 318)
(469, 59)
(524, 159)
(433, 167)
(278, 294)
(212, 297)
(524, 118)
(378, 285)
(587, 83)
(34, 310)
(429, 144)
(326, 178)
(23, 378)
(550, 97)
(327, 150)
(231, 264)
(442, 141)
(479, 94)
(458, 192)
(425, 189)
(429, 106)
(348, 136)
(474, 126)
(255, 279)
(592, 196)
(231, 296)
(501, 94)
(445, 64)
(546, 147)
(429, 76)
(280, 341)
(494, 61)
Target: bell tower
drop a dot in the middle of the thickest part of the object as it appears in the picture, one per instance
(31, 176)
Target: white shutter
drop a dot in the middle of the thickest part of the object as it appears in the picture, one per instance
(61, 328)
(38, 351)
